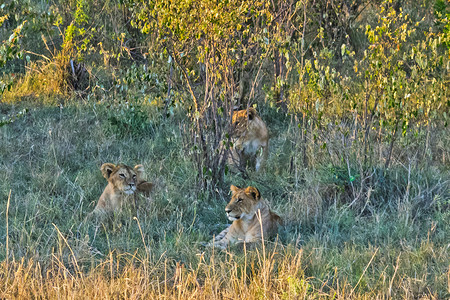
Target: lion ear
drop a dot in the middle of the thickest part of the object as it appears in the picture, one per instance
(234, 188)
(139, 169)
(253, 192)
(107, 169)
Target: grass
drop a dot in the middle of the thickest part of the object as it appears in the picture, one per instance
(394, 243)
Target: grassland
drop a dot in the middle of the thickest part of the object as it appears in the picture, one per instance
(394, 242)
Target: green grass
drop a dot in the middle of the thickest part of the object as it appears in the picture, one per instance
(393, 243)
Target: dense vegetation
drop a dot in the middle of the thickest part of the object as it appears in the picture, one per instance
(355, 96)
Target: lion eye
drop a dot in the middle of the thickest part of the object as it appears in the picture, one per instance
(239, 200)
(134, 176)
(122, 175)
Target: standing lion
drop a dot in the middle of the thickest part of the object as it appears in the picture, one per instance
(250, 139)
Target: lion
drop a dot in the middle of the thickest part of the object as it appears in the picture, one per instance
(124, 183)
(252, 219)
(250, 139)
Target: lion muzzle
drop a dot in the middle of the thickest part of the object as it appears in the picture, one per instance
(230, 217)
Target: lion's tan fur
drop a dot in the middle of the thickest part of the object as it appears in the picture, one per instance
(123, 184)
(250, 139)
(249, 213)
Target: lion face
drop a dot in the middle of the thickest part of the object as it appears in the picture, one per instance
(243, 203)
(122, 177)
(241, 120)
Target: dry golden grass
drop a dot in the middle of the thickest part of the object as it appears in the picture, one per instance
(277, 273)
(270, 276)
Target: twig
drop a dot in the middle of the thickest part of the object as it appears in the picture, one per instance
(7, 228)
(373, 256)
(393, 276)
(37, 54)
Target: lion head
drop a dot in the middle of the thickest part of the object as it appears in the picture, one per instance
(252, 219)
(122, 177)
(243, 203)
(241, 119)
(124, 185)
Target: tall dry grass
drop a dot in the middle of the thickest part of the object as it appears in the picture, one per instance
(278, 273)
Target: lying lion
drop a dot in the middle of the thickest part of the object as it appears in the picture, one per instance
(123, 185)
(249, 213)
(250, 139)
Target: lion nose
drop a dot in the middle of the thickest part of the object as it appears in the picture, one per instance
(131, 184)
(227, 210)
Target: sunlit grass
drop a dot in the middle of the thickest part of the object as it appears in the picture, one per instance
(278, 273)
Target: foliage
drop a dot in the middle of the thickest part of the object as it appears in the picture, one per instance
(10, 49)
(129, 119)
(401, 86)
(207, 42)
(10, 119)
(442, 13)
